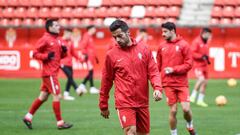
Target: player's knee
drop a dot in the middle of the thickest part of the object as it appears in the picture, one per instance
(186, 110)
(173, 112)
(131, 130)
(56, 97)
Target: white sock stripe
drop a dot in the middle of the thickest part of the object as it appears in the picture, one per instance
(52, 84)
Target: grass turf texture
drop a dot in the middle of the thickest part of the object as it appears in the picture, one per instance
(16, 95)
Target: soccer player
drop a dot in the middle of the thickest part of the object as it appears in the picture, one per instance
(129, 65)
(201, 61)
(174, 61)
(142, 35)
(50, 51)
(88, 49)
(66, 64)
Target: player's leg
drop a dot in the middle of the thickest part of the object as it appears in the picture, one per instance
(143, 121)
(68, 73)
(183, 96)
(93, 90)
(171, 96)
(43, 96)
(200, 100)
(127, 119)
(54, 88)
(200, 80)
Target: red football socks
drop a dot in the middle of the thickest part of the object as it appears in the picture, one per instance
(56, 109)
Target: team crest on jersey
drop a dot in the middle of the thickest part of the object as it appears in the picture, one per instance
(177, 48)
(140, 56)
(56, 87)
(163, 49)
(52, 43)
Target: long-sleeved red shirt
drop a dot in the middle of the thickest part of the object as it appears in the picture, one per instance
(49, 43)
(130, 69)
(199, 48)
(175, 54)
(67, 61)
(87, 46)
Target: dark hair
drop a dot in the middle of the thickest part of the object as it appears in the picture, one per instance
(206, 30)
(119, 24)
(169, 25)
(49, 23)
(68, 29)
(142, 30)
(90, 26)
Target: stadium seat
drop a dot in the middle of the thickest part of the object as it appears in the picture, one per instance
(133, 21)
(71, 2)
(230, 2)
(36, 3)
(216, 11)
(161, 11)
(77, 12)
(64, 22)
(32, 12)
(158, 21)
(146, 21)
(83, 3)
(134, 2)
(150, 11)
(4, 22)
(218, 2)
(74, 22)
(159, 2)
(24, 3)
(28, 22)
(176, 2)
(13, 3)
(237, 12)
(113, 12)
(173, 11)
(225, 21)
(60, 3)
(101, 12)
(89, 12)
(228, 11)
(20, 12)
(3, 3)
(8, 12)
(16, 22)
(117, 3)
(39, 22)
(55, 12)
(87, 21)
(44, 12)
(67, 12)
(98, 21)
(214, 21)
(173, 20)
(125, 11)
(107, 3)
(48, 3)
(236, 21)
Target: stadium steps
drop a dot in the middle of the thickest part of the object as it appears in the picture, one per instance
(196, 13)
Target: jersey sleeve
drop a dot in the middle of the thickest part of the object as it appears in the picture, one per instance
(39, 53)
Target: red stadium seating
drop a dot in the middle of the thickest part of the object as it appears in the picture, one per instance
(4, 22)
(225, 21)
(36, 3)
(8, 12)
(214, 21)
(28, 22)
(113, 12)
(217, 11)
(219, 2)
(87, 21)
(230, 2)
(150, 11)
(16, 22)
(71, 2)
(56, 12)
(176, 2)
(236, 21)
(161, 11)
(48, 2)
(81, 3)
(39, 22)
(74, 22)
(44, 12)
(228, 11)
(107, 3)
(67, 12)
(125, 11)
(173, 11)
(101, 12)
(60, 2)
(32, 12)
(64, 22)
(20, 12)
(3, 3)
(237, 12)
(24, 3)
(12, 2)
(77, 12)
(89, 12)
(98, 21)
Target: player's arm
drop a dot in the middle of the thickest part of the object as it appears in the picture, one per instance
(106, 85)
(39, 52)
(187, 62)
(154, 76)
(159, 59)
(84, 42)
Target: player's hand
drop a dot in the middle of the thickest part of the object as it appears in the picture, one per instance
(97, 60)
(51, 55)
(85, 57)
(205, 57)
(168, 70)
(64, 49)
(157, 95)
(105, 113)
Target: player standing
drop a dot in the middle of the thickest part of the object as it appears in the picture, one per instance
(174, 61)
(50, 51)
(201, 62)
(129, 65)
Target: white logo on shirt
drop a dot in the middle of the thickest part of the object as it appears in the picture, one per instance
(51, 43)
(119, 60)
(124, 119)
(140, 56)
(177, 48)
(163, 49)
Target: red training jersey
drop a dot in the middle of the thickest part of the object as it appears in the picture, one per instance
(49, 43)
(130, 69)
(87, 46)
(199, 48)
(175, 54)
(67, 61)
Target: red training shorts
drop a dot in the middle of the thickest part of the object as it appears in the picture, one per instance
(201, 72)
(176, 94)
(51, 85)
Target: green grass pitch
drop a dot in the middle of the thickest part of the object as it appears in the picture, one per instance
(16, 95)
